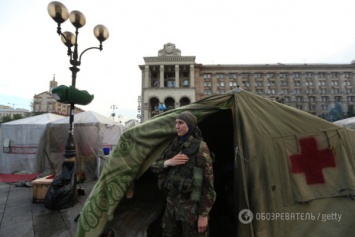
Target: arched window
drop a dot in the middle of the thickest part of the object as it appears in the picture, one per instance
(170, 103)
(153, 105)
(184, 101)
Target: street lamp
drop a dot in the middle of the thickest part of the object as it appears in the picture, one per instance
(113, 107)
(71, 95)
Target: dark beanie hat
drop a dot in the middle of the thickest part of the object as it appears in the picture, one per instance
(187, 117)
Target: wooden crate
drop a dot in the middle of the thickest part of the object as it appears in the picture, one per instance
(40, 188)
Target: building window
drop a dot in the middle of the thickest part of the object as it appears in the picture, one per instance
(309, 83)
(335, 90)
(170, 84)
(351, 98)
(246, 84)
(245, 75)
(207, 92)
(321, 74)
(220, 83)
(297, 83)
(169, 79)
(259, 91)
(325, 107)
(287, 99)
(322, 91)
(220, 91)
(308, 75)
(207, 84)
(297, 91)
(232, 75)
(271, 91)
(271, 83)
(335, 75)
(347, 74)
(348, 90)
(283, 75)
(284, 91)
(347, 82)
(220, 76)
(259, 83)
(296, 75)
(207, 76)
(334, 83)
(284, 83)
(312, 99)
(299, 99)
(299, 107)
(258, 75)
(310, 91)
(233, 84)
(312, 107)
(337, 98)
(321, 83)
(270, 75)
(325, 99)
(154, 83)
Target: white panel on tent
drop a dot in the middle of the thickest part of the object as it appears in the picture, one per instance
(23, 137)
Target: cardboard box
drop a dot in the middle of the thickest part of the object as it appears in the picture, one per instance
(40, 188)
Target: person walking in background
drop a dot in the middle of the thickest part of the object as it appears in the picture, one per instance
(185, 171)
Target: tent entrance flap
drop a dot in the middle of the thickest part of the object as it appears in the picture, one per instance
(217, 130)
(143, 213)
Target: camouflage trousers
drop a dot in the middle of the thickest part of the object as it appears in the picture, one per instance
(175, 228)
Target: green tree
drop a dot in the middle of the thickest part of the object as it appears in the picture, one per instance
(17, 116)
(6, 118)
(351, 112)
(335, 113)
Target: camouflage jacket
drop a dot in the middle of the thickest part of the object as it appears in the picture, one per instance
(180, 203)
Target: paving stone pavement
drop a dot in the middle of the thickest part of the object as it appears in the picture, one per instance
(19, 216)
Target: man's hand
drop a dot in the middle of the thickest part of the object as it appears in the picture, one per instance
(202, 223)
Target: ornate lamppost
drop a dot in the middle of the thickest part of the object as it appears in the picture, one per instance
(71, 95)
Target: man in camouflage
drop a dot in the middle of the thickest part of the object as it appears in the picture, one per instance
(185, 170)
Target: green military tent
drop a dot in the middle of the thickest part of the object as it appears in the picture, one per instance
(278, 171)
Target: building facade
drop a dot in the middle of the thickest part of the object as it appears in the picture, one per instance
(177, 80)
(45, 103)
(10, 112)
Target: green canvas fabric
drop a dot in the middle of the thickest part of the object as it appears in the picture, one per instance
(136, 150)
(266, 133)
(265, 128)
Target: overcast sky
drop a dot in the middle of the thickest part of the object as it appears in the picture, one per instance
(215, 31)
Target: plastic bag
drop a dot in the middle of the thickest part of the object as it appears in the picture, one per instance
(62, 192)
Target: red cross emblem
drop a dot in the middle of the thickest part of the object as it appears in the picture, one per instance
(311, 161)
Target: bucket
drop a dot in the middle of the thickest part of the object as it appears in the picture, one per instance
(106, 150)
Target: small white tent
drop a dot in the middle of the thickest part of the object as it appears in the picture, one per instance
(92, 132)
(348, 123)
(19, 142)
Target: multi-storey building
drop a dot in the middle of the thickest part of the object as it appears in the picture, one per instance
(177, 80)
(45, 103)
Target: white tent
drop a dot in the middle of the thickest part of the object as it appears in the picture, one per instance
(19, 142)
(348, 123)
(92, 132)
